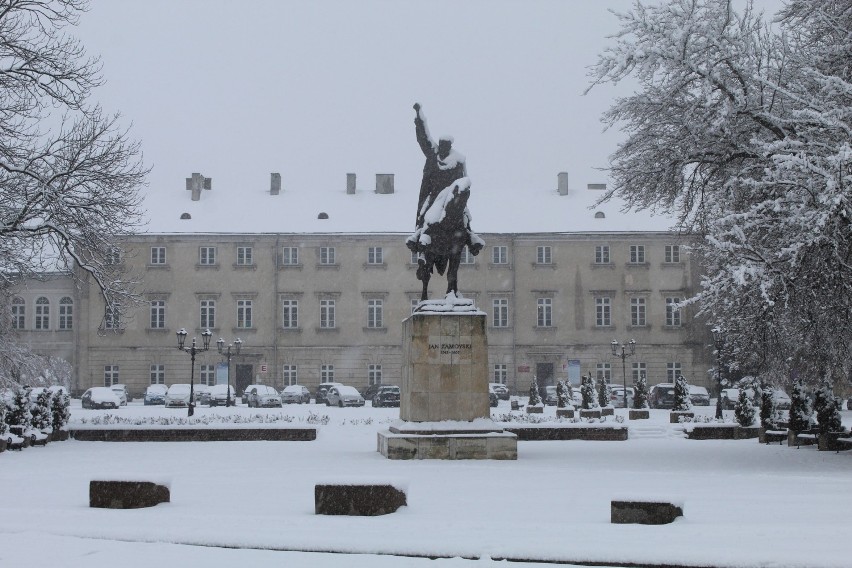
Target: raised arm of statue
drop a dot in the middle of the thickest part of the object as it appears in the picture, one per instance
(423, 139)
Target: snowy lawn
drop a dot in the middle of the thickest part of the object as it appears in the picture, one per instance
(745, 504)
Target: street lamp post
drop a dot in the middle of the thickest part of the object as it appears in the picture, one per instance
(631, 345)
(220, 345)
(193, 350)
(718, 341)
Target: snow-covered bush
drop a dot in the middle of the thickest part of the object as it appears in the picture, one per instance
(682, 402)
(40, 410)
(640, 393)
(535, 396)
(587, 390)
(563, 395)
(768, 412)
(827, 409)
(744, 411)
(60, 410)
(19, 411)
(604, 395)
(3, 427)
(800, 408)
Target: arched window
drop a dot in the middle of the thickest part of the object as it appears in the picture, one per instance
(42, 313)
(19, 313)
(66, 313)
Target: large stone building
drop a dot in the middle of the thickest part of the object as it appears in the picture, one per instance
(323, 297)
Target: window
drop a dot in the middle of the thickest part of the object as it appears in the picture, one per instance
(290, 374)
(375, 255)
(501, 312)
(501, 373)
(112, 319)
(66, 313)
(289, 314)
(207, 256)
(637, 312)
(672, 312)
(639, 369)
(110, 375)
(245, 256)
(673, 371)
(113, 255)
(374, 313)
(603, 372)
(500, 255)
(19, 312)
(602, 254)
(42, 313)
(289, 256)
(637, 254)
(672, 253)
(374, 374)
(543, 255)
(327, 314)
(545, 312)
(158, 255)
(466, 257)
(603, 312)
(158, 314)
(208, 375)
(244, 314)
(158, 374)
(208, 314)
(326, 255)
(327, 373)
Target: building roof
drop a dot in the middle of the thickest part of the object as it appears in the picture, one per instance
(226, 208)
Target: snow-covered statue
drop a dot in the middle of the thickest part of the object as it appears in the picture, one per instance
(442, 227)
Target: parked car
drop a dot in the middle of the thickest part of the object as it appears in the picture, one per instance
(155, 395)
(493, 400)
(245, 394)
(177, 395)
(264, 396)
(371, 391)
(386, 395)
(295, 394)
(549, 396)
(121, 390)
(501, 390)
(782, 400)
(219, 394)
(617, 397)
(731, 396)
(661, 396)
(699, 396)
(202, 394)
(343, 395)
(322, 389)
(100, 397)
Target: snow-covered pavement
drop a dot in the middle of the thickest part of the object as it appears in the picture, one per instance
(745, 504)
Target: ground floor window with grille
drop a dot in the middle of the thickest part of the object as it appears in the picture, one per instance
(327, 374)
(501, 373)
(374, 374)
(110, 375)
(673, 371)
(290, 374)
(208, 375)
(158, 374)
(639, 369)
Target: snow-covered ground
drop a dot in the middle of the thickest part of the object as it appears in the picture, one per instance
(245, 503)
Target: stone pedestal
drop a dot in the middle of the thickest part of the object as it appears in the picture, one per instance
(444, 405)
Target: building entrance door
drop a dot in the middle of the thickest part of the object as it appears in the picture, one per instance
(244, 373)
(544, 376)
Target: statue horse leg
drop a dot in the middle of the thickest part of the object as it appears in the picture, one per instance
(424, 273)
(453, 273)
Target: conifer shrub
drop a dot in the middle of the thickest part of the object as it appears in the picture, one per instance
(587, 391)
(40, 410)
(800, 409)
(60, 410)
(535, 396)
(682, 402)
(19, 411)
(827, 409)
(603, 393)
(562, 397)
(768, 412)
(640, 393)
(744, 410)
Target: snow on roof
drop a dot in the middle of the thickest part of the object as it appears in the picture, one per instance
(231, 209)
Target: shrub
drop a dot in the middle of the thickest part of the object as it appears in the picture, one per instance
(19, 411)
(60, 410)
(587, 390)
(535, 397)
(682, 402)
(563, 398)
(640, 393)
(768, 418)
(744, 410)
(800, 409)
(827, 409)
(40, 410)
(604, 396)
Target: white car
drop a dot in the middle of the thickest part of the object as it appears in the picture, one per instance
(121, 391)
(342, 395)
(264, 396)
(617, 398)
(100, 397)
(297, 394)
(177, 395)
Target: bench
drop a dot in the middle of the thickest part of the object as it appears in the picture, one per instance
(843, 444)
(779, 436)
(807, 439)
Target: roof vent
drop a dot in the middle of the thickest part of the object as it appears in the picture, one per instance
(600, 215)
(596, 186)
(322, 215)
(562, 183)
(384, 183)
(196, 183)
(275, 184)
(186, 216)
(350, 184)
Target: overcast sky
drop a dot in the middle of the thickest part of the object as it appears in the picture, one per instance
(314, 90)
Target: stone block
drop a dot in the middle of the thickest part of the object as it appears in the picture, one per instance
(565, 413)
(405, 446)
(590, 413)
(675, 416)
(126, 494)
(607, 411)
(639, 414)
(644, 512)
(535, 410)
(366, 500)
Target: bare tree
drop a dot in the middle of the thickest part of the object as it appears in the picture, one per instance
(69, 174)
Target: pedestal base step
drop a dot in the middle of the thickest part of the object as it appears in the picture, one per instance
(462, 446)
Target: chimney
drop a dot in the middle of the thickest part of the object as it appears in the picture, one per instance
(275, 184)
(562, 183)
(384, 183)
(196, 183)
(350, 184)
(596, 186)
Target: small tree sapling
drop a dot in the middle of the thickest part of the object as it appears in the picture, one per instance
(535, 396)
(682, 402)
(587, 390)
(744, 410)
(640, 393)
(60, 409)
(800, 408)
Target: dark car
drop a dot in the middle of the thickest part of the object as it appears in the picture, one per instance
(371, 390)
(501, 390)
(295, 394)
(661, 396)
(385, 395)
(322, 389)
(492, 398)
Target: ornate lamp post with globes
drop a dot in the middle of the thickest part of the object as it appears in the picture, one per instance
(624, 355)
(237, 344)
(193, 350)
